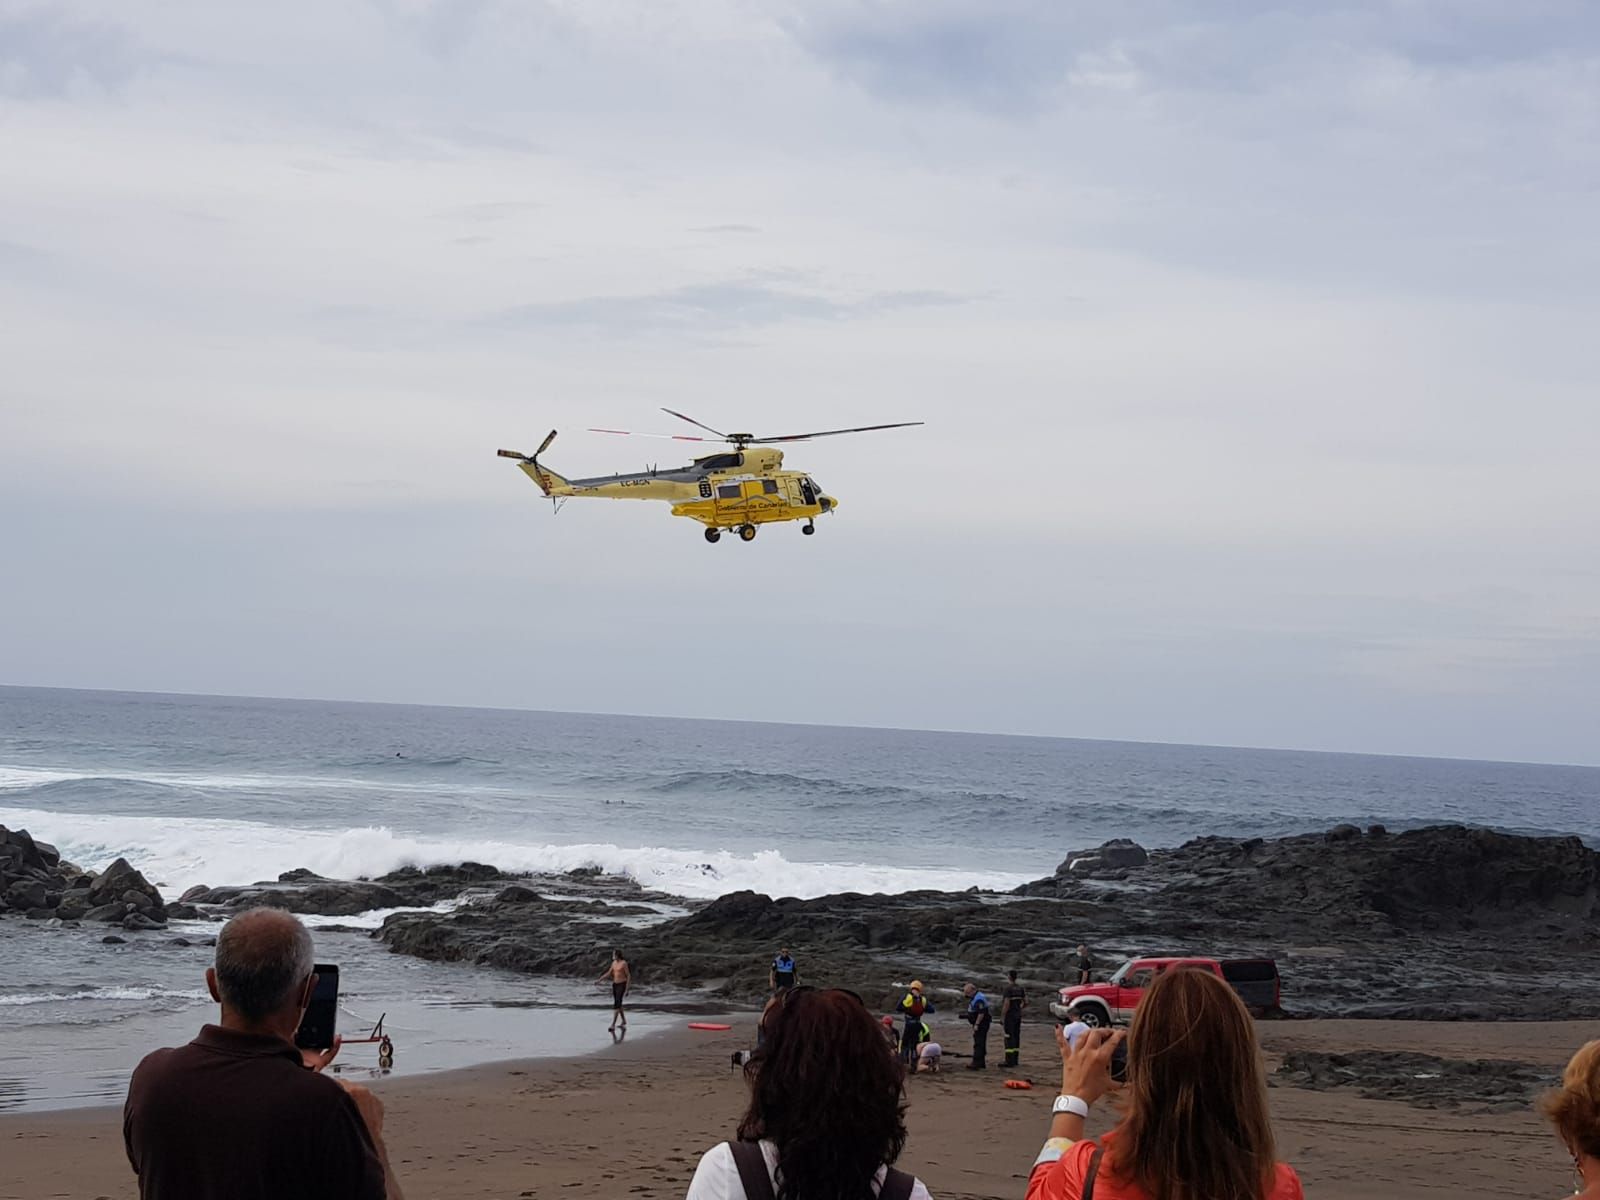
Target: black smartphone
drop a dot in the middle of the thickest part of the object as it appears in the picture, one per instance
(317, 1025)
(1119, 1061)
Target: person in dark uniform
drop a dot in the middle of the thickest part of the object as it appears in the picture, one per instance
(1013, 1001)
(783, 975)
(978, 1013)
(1085, 965)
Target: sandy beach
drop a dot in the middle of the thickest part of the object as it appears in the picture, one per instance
(633, 1120)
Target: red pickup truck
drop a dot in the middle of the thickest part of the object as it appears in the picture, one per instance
(1098, 1004)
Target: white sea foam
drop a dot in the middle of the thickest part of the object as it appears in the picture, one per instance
(15, 778)
(178, 852)
(373, 918)
(23, 999)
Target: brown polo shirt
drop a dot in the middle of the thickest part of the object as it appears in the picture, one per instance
(236, 1116)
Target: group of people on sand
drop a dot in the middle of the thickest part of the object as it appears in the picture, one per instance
(241, 1114)
(918, 1050)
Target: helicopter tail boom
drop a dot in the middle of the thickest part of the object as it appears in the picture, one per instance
(549, 482)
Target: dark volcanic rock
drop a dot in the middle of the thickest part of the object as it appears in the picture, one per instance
(25, 894)
(1117, 854)
(1446, 922)
(1421, 1080)
(73, 906)
(106, 912)
(32, 874)
(516, 894)
(307, 893)
(121, 883)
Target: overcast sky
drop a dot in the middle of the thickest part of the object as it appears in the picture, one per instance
(1256, 344)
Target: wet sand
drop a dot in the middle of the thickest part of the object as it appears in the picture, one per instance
(633, 1120)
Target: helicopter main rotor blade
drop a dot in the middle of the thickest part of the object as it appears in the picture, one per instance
(674, 437)
(692, 421)
(806, 437)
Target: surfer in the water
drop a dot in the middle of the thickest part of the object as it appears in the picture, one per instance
(617, 973)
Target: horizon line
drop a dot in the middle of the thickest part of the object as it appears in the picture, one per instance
(801, 725)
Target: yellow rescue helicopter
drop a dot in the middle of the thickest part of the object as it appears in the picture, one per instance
(735, 490)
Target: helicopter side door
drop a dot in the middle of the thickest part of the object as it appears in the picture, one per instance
(729, 501)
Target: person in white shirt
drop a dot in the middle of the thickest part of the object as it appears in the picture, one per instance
(1073, 1031)
(928, 1056)
(826, 1115)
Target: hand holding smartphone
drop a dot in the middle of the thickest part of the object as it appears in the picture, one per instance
(317, 1025)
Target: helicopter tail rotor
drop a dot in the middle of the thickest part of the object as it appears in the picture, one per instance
(528, 458)
(549, 482)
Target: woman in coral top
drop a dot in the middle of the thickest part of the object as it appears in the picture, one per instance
(1194, 1109)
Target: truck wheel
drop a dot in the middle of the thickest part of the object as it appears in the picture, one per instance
(1092, 1017)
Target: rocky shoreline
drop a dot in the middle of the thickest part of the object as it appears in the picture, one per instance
(1441, 923)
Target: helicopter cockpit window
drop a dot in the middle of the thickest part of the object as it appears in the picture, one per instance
(722, 462)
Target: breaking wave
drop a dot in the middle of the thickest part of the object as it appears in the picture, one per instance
(25, 999)
(177, 853)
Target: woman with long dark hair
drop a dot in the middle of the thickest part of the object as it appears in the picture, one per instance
(827, 1110)
(1195, 1124)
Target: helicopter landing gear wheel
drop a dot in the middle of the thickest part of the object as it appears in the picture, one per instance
(808, 528)
(747, 533)
(713, 536)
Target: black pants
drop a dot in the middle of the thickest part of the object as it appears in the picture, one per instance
(980, 1042)
(908, 1041)
(1013, 1027)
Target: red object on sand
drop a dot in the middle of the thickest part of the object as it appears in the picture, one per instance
(710, 1026)
(1020, 1085)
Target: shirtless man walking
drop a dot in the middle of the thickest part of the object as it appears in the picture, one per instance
(617, 974)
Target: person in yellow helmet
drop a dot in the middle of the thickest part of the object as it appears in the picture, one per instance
(913, 1005)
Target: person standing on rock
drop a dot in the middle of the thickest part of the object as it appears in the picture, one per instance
(784, 975)
(1013, 1000)
(617, 975)
(1085, 965)
(978, 1013)
(912, 1007)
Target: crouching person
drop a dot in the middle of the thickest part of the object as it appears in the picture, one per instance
(1195, 1123)
(240, 1113)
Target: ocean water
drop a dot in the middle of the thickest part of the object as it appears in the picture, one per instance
(222, 790)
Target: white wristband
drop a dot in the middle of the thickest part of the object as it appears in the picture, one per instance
(1075, 1105)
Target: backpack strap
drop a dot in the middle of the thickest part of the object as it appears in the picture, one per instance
(897, 1185)
(752, 1164)
(1094, 1169)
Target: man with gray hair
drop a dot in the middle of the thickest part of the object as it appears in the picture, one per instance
(240, 1113)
